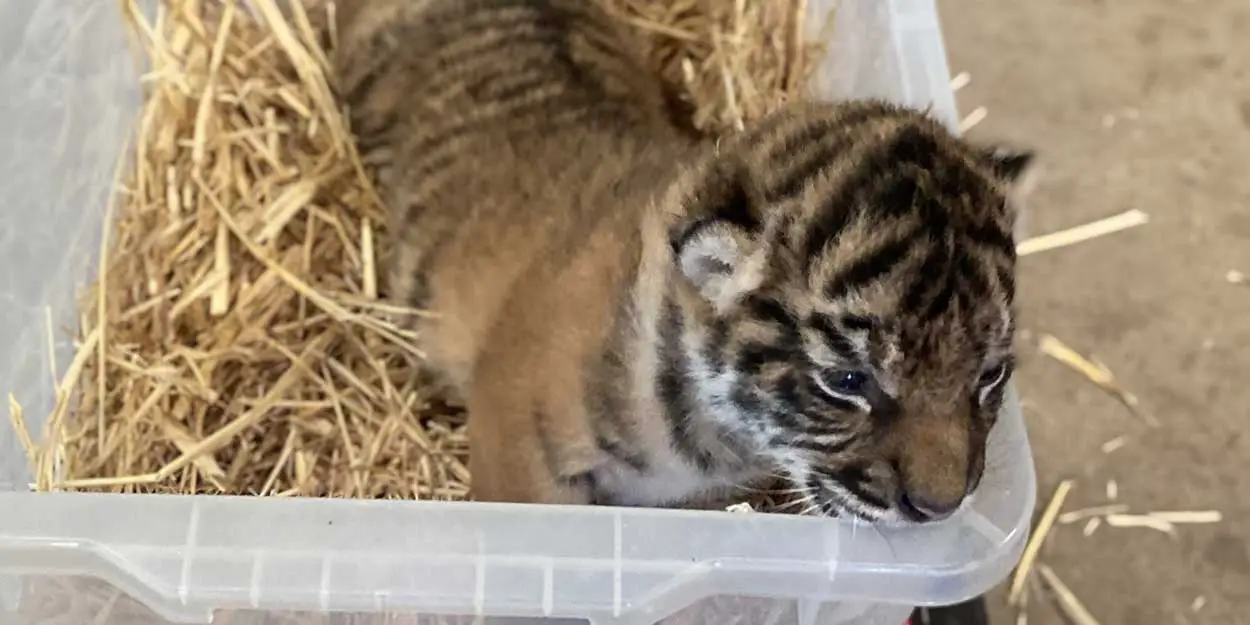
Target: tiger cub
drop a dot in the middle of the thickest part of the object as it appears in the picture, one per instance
(635, 317)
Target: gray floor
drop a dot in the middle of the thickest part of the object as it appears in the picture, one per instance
(1135, 104)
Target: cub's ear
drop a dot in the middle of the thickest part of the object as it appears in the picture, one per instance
(1011, 165)
(717, 245)
(1017, 169)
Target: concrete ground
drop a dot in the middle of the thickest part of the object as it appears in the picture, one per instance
(1133, 104)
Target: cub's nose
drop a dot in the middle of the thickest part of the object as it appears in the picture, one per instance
(924, 509)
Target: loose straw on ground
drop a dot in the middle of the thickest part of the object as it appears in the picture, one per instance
(973, 119)
(234, 340)
(1097, 373)
(1141, 520)
(1068, 602)
(961, 80)
(1087, 513)
(1188, 517)
(1113, 444)
(1034, 546)
(1082, 233)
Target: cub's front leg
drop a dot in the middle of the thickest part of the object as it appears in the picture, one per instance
(524, 450)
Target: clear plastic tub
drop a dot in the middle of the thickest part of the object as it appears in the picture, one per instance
(67, 98)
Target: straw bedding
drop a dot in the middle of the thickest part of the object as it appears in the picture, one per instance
(234, 341)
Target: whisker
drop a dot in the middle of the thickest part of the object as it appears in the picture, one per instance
(812, 508)
(768, 491)
(797, 502)
(886, 538)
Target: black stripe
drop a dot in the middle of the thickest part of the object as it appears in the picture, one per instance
(608, 407)
(910, 146)
(526, 58)
(742, 395)
(1007, 281)
(831, 139)
(857, 323)
(467, 47)
(838, 342)
(633, 460)
(753, 357)
(734, 206)
(905, 149)
(429, 163)
(714, 349)
(482, 13)
(730, 204)
(782, 150)
(805, 169)
(932, 270)
(972, 329)
(586, 483)
(961, 268)
(510, 38)
(866, 496)
(824, 449)
(766, 127)
(990, 235)
(523, 57)
(932, 287)
(839, 121)
(420, 297)
(885, 409)
(873, 266)
(588, 17)
(844, 405)
(623, 113)
(854, 479)
(505, 88)
(914, 146)
(470, 123)
(826, 427)
(604, 40)
(786, 389)
(974, 274)
(673, 387)
(939, 303)
(365, 85)
(848, 202)
(790, 421)
(763, 308)
(937, 220)
(897, 195)
(829, 223)
(596, 51)
(463, 41)
(371, 137)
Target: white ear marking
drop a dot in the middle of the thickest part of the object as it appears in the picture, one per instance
(709, 257)
(718, 262)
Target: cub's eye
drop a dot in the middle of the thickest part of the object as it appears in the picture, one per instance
(991, 378)
(847, 381)
(846, 390)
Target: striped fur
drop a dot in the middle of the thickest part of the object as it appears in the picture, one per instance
(636, 317)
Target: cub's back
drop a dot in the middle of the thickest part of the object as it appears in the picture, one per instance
(500, 130)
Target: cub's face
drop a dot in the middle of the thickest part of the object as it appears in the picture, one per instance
(858, 267)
